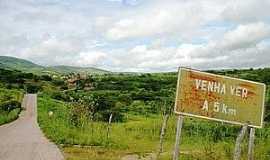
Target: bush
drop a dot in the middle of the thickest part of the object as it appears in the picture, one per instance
(79, 115)
(9, 116)
(46, 78)
(60, 96)
(64, 87)
(10, 105)
(58, 82)
(267, 109)
(31, 88)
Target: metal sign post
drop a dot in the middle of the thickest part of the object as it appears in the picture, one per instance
(178, 137)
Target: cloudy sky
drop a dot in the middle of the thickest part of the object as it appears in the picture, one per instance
(138, 35)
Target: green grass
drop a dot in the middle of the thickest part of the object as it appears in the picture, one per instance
(9, 95)
(6, 117)
(93, 153)
(201, 140)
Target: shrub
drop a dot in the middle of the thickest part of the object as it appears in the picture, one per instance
(79, 115)
(10, 105)
(58, 82)
(267, 109)
(46, 78)
(9, 116)
(60, 96)
(31, 88)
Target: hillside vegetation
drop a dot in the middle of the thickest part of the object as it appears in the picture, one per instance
(81, 109)
(19, 64)
(27, 66)
(137, 104)
(72, 69)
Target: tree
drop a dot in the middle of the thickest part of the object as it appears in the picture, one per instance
(32, 88)
(266, 78)
(267, 108)
(46, 78)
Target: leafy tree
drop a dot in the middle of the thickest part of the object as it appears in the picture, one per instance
(58, 82)
(267, 108)
(32, 88)
(266, 78)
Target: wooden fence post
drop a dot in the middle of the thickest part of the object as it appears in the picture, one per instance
(251, 144)
(240, 137)
(178, 137)
(109, 126)
(162, 133)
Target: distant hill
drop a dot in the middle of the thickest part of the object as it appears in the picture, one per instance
(19, 64)
(13, 63)
(72, 69)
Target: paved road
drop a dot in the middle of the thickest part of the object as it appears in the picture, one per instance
(23, 139)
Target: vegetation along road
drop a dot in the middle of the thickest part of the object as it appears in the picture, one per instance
(23, 138)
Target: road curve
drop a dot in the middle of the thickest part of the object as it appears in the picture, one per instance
(23, 139)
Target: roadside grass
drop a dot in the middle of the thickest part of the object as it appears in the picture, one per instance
(7, 95)
(201, 140)
(6, 117)
(93, 153)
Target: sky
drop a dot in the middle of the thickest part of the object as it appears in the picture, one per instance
(138, 35)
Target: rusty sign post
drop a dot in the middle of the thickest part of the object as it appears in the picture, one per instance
(220, 98)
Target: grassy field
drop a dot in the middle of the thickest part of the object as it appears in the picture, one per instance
(201, 140)
(7, 96)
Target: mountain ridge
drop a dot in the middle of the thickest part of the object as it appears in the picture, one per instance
(15, 63)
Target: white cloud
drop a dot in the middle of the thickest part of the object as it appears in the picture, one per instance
(242, 47)
(49, 50)
(63, 52)
(246, 35)
(52, 45)
(92, 58)
(246, 11)
(153, 60)
(182, 18)
(137, 35)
